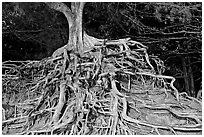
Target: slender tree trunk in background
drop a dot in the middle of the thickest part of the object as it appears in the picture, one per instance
(186, 85)
(191, 80)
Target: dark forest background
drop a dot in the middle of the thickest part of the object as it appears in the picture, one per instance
(172, 31)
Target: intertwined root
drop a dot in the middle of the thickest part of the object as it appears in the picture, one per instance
(111, 89)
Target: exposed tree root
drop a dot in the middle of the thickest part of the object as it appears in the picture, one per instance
(112, 89)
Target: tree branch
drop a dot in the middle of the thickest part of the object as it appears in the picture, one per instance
(61, 7)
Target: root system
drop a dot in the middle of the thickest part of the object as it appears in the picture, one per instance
(112, 89)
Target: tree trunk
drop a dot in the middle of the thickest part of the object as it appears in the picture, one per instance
(74, 18)
(191, 80)
(183, 60)
(75, 27)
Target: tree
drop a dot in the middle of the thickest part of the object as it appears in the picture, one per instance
(94, 86)
(79, 41)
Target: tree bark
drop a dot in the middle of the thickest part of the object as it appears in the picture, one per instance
(74, 18)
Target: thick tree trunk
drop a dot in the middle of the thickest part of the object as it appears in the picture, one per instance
(74, 18)
(75, 27)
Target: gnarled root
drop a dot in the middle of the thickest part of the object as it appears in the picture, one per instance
(111, 89)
